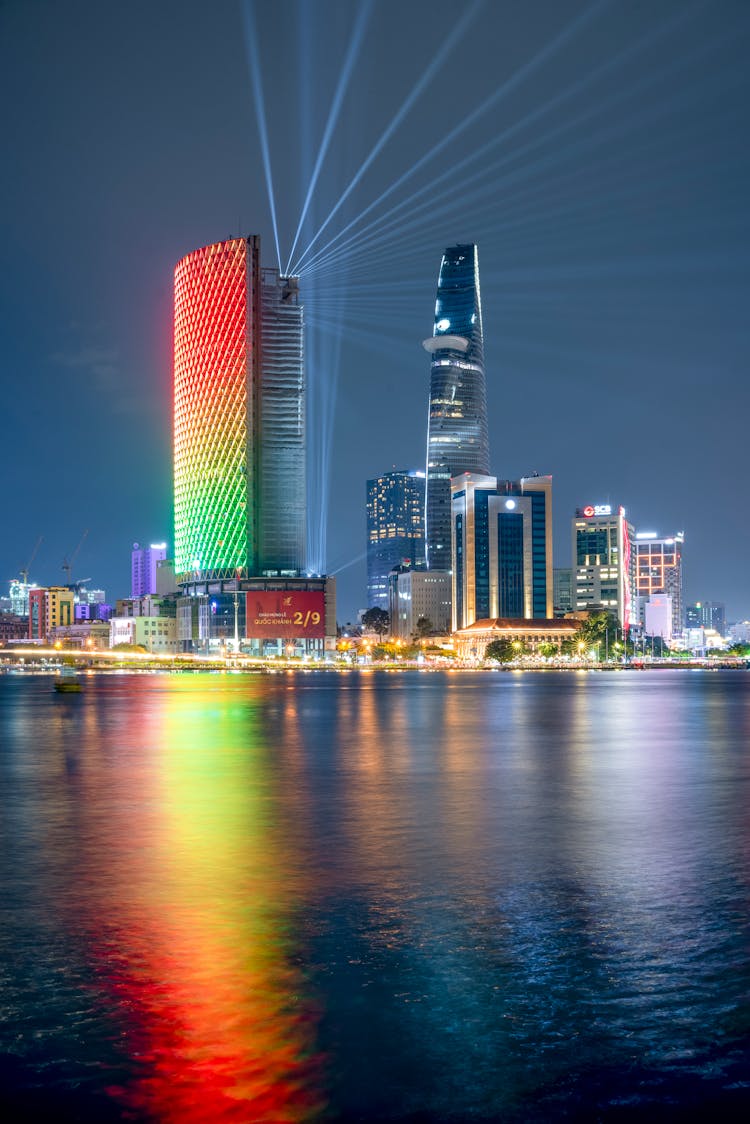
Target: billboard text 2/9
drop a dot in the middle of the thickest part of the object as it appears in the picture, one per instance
(285, 615)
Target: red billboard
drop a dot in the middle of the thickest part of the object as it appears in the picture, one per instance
(285, 614)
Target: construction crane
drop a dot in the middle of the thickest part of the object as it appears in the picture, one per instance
(24, 572)
(68, 562)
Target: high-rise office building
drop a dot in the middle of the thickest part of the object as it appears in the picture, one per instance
(658, 569)
(239, 459)
(143, 565)
(457, 437)
(501, 548)
(395, 529)
(603, 561)
(239, 417)
(283, 508)
(707, 614)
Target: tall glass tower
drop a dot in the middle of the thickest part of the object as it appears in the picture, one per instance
(457, 438)
(395, 529)
(239, 418)
(283, 524)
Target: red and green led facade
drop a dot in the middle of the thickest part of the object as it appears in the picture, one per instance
(215, 359)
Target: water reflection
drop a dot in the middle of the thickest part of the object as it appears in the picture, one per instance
(174, 870)
(371, 896)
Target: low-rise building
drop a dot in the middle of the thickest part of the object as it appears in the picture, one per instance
(471, 642)
(82, 634)
(155, 634)
(13, 627)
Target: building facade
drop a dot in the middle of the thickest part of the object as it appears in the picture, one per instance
(282, 516)
(395, 529)
(658, 570)
(603, 561)
(19, 597)
(562, 590)
(259, 616)
(658, 616)
(416, 595)
(707, 614)
(49, 608)
(155, 634)
(501, 548)
(239, 416)
(457, 434)
(13, 627)
(143, 564)
(92, 634)
(471, 643)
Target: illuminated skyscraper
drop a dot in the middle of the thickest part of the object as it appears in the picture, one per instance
(239, 419)
(395, 529)
(502, 548)
(143, 563)
(658, 569)
(603, 561)
(457, 438)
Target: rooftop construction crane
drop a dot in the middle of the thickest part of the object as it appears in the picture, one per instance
(24, 571)
(68, 562)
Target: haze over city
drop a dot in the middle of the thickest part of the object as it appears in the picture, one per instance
(594, 152)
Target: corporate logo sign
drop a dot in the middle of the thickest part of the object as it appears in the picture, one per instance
(592, 509)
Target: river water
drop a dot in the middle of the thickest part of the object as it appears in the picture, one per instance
(372, 896)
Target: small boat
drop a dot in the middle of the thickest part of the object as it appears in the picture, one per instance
(67, 681)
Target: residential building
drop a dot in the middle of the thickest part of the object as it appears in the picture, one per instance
(143, 567)
(395, 529)
(419, 594)
(501, 548)
(457, 434)
(49, 607)
(658, 570)
(603, 561)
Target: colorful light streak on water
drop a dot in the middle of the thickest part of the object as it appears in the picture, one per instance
(190, 919)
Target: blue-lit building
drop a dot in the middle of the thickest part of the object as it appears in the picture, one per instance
(501, 548)
(457, 437)
(395, 529)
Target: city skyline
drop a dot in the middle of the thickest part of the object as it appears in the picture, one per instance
(611, 230)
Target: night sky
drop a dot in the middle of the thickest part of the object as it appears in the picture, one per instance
(597, 153)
